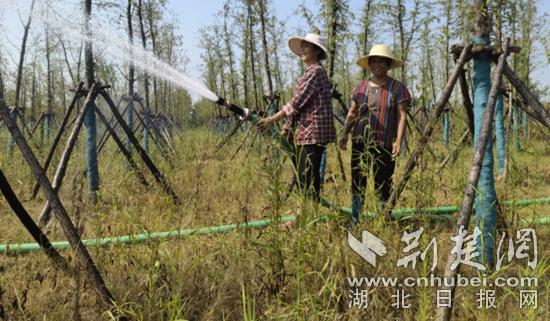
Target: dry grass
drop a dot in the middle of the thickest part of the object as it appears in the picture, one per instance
(264, 274)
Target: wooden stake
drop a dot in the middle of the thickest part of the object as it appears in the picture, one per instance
(526, 93)
(29, 224)
(57, 138)
(122, 148)
(231, 133)
(452, 155)
(467, 101)
(45, 214)
(113, 124)
(142, 153)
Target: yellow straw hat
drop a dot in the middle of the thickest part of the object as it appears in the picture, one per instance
(379, 50)
(295, 43)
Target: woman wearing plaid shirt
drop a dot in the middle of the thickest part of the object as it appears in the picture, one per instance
(308, 113)
(377, 115)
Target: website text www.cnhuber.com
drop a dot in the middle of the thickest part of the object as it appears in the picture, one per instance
(436, 281)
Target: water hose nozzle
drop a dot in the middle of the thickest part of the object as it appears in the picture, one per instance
(243, 112)
(220, 101)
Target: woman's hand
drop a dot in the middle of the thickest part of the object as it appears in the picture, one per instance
(286, 132)
(343, 141)
(396, 148)
(264, 123)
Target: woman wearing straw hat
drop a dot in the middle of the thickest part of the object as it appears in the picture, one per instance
(377, 116)
(308, 113)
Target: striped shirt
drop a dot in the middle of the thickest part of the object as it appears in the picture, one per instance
(309, 111)
(377, 115)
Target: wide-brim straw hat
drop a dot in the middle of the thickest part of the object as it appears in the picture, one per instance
(295, 44)
(379, 50)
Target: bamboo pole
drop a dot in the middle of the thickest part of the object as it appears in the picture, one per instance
(37, 234)
(444, 312)
(127, 153)
(411, 119)
(454, 152)
(159, 140)
(231, 133)
(113, 124)
(248, 131)
(57, 138)
(526, 93)
(35, 126)
(467, 102)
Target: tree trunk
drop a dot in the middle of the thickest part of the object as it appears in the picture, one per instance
(130, 115)
(19, 77)
(45, 214)
(467, 102)
(404, 39)
(49, 87)
(526, 43)
(145, 78)
(154, 43)
(485, 194)
(34, 112)
(73, 79)
(263, 11)
(90, 119)
(332, 17)
(448, 7)
(229, 50)
(500, 137)
(22, 58)
(400, 18)
(252, 49)
(245, 66)
(365, 35)
(479, 160)
(161, 179)
(1, 79)
(58, 136)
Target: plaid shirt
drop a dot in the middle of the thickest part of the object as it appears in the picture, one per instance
(309, 111)
(377, 121)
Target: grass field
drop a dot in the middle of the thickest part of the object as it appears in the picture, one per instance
(267, 274)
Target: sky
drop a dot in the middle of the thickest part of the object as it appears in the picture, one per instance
(191, 16)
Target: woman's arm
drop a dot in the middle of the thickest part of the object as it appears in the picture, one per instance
(348, 125)
(401, 122)
(273, 119)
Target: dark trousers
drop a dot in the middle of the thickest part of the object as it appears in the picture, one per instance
(363, 158)
(307, 161)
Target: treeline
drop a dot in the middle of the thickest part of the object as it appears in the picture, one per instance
(245, 53)
(53, 61)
